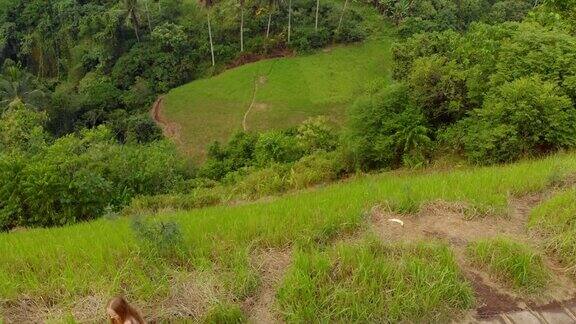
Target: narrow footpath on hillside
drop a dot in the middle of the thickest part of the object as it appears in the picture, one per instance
(169, 129)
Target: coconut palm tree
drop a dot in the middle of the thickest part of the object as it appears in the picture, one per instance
(271, 5)
(290, 19)
(342, 15)
(148, 15)
(131, 13)
(241, 25)
(208, 5)
(17, 85)
(317, 10)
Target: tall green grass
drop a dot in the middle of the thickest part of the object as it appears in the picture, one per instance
(105, 257)
(370, 282)
(511, 262)
(556, 220)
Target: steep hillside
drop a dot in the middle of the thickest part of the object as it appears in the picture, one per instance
(291, 256)
(274, 93)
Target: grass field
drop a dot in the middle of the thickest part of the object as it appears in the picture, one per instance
(61, 267)
(288, 90)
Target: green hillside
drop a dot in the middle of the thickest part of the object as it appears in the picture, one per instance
(321, 242)
(288, 90)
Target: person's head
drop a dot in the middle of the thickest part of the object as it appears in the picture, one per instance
(120, 312)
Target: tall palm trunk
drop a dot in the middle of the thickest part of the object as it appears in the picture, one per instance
(342, 15)
(269, 22)
(148, 15)
(317, 10)
(210, 35)
(289, 20)
(241, 26)
(135, 24)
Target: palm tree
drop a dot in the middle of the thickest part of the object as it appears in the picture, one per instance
(271, 4)
(148, 15)
(241, 25)
(342, 15)
(17, 85)
(208, 4)
(290, 19)
(131, 12)
(317, 10)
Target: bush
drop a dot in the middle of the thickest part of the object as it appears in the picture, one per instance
(264, 182)
(522, 117)
(385, 129)
(79, 176)
(277, 147)
(316, 134)
(314, 169)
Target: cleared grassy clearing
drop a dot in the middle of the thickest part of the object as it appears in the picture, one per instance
(371, 282)
(556, 220)
(289, 90)
(514, 263)
(104, 257)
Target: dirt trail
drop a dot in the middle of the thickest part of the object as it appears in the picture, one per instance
(272, 265)
(497, 303)
(169, 129)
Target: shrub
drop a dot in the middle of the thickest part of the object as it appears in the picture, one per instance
(385, 129)
(522, 117)
(271, 180)
(316, 134)
(277, 147)
(438, 86)
(315, 169)
(78, 176)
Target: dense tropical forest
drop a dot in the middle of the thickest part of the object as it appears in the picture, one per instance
(391, 85)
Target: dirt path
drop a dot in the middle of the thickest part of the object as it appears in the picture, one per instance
(254, 91)
(496, 303)
(272, 265)
(169, 129)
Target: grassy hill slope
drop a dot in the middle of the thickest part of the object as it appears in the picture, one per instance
(288, 90)
(217, 260)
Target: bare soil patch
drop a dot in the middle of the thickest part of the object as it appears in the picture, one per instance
(30, 310)
(254, 57)
(448, 222)
(272, 265)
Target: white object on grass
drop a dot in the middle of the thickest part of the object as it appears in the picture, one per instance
(396, 220)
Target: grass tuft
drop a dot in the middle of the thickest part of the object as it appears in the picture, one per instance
(225, 314)
(511, 262)
(555, 219)
(372, 282)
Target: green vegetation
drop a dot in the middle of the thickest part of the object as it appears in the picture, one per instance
(288, 91)
(555, 219)
(361, 86)
(106, 257)
(77, 177)
(375, 282)
(510, 261)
